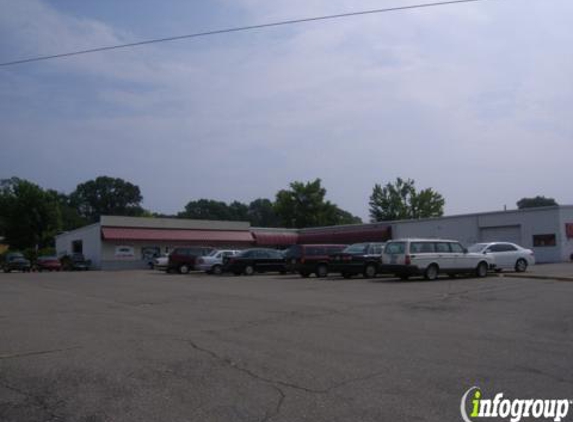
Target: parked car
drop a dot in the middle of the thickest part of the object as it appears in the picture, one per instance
(160, 263)
(259, 260)
(431, 257)
(213, 263)
(75, 262)
(506, 255)
(359, 258)
(310, 259)
(15, 261)
(48, 263)
(183, 259)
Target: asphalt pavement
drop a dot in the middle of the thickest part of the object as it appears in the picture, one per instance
(146, 346)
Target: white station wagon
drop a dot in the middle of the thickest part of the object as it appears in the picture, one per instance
(432, 257)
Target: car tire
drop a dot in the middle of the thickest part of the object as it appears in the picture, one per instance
(249, 270)
(432, 272)
(521, 265)
(321, 271)
(369, 271)
(184, 269)
(217, 270)
(481, 270)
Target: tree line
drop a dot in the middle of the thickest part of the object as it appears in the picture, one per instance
(31, 216)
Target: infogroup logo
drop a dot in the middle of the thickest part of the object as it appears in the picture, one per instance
(513, 410)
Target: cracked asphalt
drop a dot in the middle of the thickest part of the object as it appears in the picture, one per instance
(146, 346)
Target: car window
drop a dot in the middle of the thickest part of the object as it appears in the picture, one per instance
(508, 247)
(442, 247)
(376, 249)
(357, 248)
(395, 248)
(422, 247)
(497, 248)
(456, 248)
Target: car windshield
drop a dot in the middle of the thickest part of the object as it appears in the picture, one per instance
(213, 252)
(478, 247)
(357, 248)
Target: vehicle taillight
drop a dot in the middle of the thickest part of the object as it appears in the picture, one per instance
(408, 260)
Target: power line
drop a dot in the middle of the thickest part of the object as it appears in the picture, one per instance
(236, 29)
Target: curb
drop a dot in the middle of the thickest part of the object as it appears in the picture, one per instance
(538, 277)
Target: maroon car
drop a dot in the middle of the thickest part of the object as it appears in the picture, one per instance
(48, 263)
(182, 259)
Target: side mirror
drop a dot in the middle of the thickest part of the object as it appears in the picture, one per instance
(485, 252)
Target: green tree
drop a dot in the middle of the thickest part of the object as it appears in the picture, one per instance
(304, 205)
(106, 196)
(401, 200)
(30, 216)
(262, 213)
(205, 209)
(538, 201)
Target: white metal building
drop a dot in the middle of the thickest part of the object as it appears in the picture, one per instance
(548, 231)
(130, 242)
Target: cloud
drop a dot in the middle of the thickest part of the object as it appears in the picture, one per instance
(470, 100)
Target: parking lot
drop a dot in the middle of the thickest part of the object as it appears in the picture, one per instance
(147, 346)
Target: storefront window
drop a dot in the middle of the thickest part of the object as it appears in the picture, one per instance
(541, 240)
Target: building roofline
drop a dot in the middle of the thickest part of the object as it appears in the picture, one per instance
(76, 230)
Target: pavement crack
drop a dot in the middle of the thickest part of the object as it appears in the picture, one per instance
(249, 372)
(38, 401)
(36, 353)
(277, 410)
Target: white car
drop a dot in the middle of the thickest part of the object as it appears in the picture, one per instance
(431, 257)
(160, 263)
(507, 256)
(213, 263)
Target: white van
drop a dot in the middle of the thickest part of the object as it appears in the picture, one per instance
(431, 257)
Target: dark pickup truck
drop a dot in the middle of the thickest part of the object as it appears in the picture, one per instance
(359, 258)
(311, 259)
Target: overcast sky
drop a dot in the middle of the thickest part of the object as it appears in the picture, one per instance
(474, 100)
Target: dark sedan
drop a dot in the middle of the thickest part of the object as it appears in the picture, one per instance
(15, 261)
(360, 258)
(259, 260)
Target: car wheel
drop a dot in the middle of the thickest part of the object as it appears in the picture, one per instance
(249, 270)
(184, 269)
(346, 275)
(369, 271)
(304, 274)
(521, 265)
(431, 272)
(481, 270)
(217, 269)
(322, 271)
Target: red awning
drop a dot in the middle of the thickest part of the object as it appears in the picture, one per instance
(380, 234)
(175, 235)
(275, 239)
